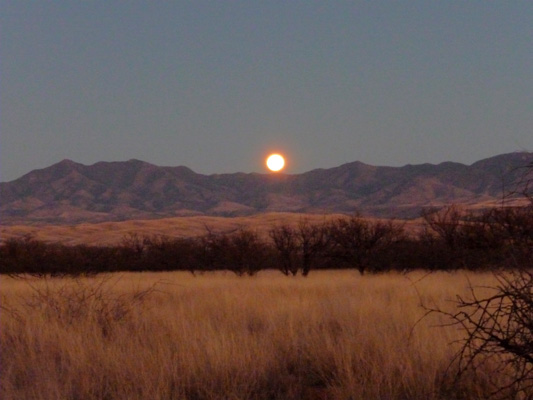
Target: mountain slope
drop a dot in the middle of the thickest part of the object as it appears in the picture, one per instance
(68, 192)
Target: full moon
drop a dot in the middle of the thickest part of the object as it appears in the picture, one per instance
(275, 162)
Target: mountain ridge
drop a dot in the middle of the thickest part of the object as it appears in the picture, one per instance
(69, 192)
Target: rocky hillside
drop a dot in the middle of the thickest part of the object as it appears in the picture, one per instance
(68, 192)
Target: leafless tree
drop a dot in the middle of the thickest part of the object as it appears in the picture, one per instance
(445, 223)
(286, 245)
(244, 253)
(313, 240)
(355, 241)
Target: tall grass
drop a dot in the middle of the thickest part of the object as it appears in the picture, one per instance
(333, 335)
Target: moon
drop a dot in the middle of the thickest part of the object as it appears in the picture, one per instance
(275, 162)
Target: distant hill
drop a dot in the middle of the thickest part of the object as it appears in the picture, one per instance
(69, 193)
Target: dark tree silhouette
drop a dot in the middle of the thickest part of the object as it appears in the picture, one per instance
(313, 240)
(285, 242)
(356, 242)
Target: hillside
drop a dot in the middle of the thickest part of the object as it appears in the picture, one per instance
(69, 192)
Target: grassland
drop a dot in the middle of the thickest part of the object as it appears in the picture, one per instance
(333, 335)
(112, 233)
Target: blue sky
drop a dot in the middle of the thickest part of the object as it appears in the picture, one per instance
(216, 85)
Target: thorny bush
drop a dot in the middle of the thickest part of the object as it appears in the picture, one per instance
(498, 331)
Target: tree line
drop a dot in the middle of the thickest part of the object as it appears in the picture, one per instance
(450, 239)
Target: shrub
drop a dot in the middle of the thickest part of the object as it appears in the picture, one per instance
(357, 243)
(498, 331)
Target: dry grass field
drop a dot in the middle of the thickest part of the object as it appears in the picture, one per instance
(112, 233)
(333, 335)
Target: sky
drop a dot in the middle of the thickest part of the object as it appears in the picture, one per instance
(217, 85)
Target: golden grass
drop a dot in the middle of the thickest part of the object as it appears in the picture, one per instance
(333, 335)
(111, 233)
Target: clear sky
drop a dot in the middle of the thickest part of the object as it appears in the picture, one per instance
(216, 85)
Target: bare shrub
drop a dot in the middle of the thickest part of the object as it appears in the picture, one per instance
(76, 299)
(498, 329)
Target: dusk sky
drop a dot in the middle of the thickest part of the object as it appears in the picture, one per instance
(216, 85)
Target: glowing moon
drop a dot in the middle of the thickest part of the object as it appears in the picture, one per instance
(275, 162)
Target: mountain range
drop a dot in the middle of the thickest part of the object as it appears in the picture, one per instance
(70, 193)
